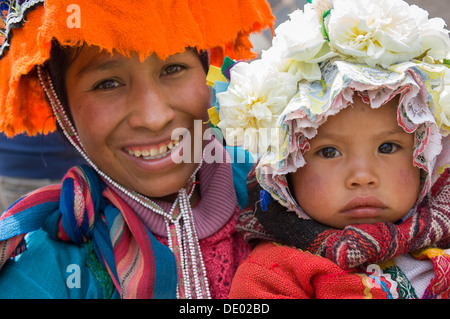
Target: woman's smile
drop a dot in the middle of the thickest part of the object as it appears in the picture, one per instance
(152, 152)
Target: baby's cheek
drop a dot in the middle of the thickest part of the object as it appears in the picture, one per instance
(315, 184)
(408, 175)
(409, 178)
(313, 189)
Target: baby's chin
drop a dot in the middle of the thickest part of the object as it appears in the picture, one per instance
(341, 224)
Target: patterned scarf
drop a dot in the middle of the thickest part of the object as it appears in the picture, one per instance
(83, 208)
(355, 246)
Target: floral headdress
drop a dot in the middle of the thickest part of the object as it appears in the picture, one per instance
(319, 58)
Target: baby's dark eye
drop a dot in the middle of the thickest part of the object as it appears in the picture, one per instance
(329, 152)
(388, 148)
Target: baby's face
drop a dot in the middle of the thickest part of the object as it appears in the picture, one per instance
(359, 168)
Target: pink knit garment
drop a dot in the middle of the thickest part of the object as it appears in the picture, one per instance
(222, 254)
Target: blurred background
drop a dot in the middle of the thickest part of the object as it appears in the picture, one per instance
(281, 9)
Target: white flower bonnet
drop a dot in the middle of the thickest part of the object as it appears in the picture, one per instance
(319, 58)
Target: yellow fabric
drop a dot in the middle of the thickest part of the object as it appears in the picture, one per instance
(213, 116)
(214, 74)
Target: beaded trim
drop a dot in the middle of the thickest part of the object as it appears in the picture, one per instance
(181, 231)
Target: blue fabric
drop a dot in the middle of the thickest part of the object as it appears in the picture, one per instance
(242, 163)
(218, 87)
(164, 265)
(37, 157)
(265, 199)
(21, 223)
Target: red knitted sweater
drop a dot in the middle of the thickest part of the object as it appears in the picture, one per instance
(280, 272)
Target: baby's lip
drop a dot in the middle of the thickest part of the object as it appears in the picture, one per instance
(364, 206)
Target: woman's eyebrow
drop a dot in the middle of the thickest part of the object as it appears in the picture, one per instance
(100, 66)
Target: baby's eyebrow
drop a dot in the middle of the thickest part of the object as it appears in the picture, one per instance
(396, 131)
(330, 135)
(340, 136)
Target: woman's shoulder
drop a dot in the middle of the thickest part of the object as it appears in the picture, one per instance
(54, 269)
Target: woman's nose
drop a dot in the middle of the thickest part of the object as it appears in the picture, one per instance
(362, 173)
(149, 108)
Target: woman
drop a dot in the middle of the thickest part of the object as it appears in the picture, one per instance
(127, 85)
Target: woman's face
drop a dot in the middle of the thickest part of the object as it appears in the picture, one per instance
(125, 111)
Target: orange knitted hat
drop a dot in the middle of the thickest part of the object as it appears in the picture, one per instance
(163, 27)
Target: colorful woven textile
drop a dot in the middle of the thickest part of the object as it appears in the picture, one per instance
(83, 209)
(440, 285)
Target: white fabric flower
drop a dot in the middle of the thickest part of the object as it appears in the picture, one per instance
(384, 32)
(299, 45)
(250, 108)
(444, 102)
(435, 37)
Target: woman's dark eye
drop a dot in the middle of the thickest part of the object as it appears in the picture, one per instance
(387, 148)
(329, 152)
(172, 69)
(107, 85)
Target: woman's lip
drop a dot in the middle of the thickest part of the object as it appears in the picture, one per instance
(151, 164)
(150, 156)
(363, 207)
(152, 151)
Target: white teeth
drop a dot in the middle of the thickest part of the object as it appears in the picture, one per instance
(155, 153)
(162, 149)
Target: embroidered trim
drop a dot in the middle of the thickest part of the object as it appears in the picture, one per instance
(99, 271)
(15, 19)
(404, 287)
(378, 279)
(367, 286)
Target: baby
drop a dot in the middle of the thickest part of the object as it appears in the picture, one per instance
(352, 199)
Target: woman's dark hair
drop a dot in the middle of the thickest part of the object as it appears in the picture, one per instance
(61, 57)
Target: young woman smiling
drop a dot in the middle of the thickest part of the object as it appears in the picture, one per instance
(133, 223)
